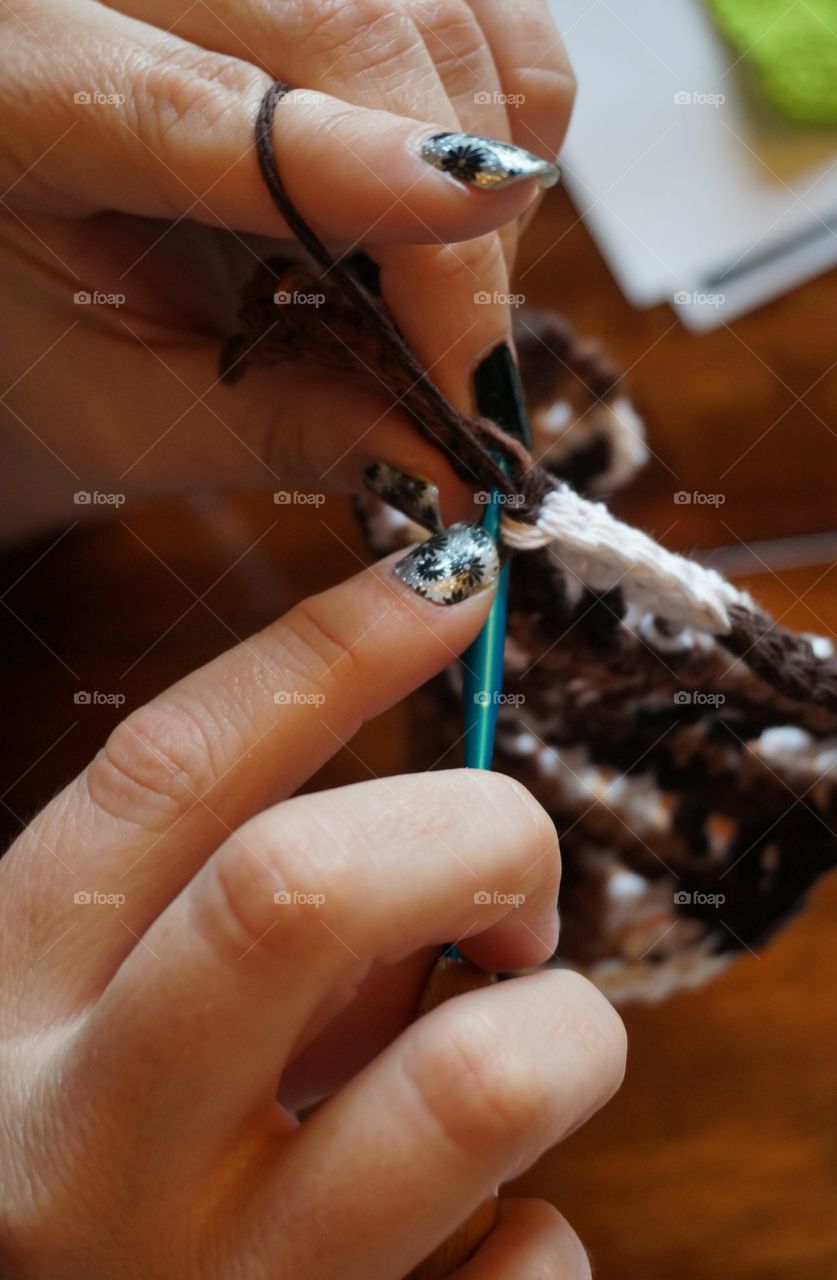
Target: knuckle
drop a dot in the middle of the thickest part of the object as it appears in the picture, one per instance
(479, 1093)
(307, 645)
(455, 37)
(551, 85)
(264, 889)
(182, 92)
(362, 35)
(156, 764)
(469, 262)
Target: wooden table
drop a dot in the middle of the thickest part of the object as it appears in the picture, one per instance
(719, 1156)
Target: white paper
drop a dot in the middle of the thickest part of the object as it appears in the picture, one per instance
(686, 183)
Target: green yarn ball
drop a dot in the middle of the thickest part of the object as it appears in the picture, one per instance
(791, 49)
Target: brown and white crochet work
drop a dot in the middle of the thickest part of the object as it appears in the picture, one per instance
(684, 743)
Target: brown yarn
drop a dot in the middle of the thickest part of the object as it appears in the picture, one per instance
(465, 441)
(783, 658)
(478, 450)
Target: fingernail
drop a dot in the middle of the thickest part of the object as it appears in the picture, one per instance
(414, 497)
(499, 393)
(486, 163)
(451, 566)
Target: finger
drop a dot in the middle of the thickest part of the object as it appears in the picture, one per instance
(300, 901)
(466, 1098)
(536, 77)
(180, 774)
(468, 73)
(531, 1241)
(276, 429)
(371, 53)
(177, 140)
(464, 63)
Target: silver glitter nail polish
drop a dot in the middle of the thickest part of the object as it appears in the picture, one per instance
(486, 163)
(451, 566)
(414, 497)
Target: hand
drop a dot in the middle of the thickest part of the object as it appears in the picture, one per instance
(130, 176)
(187, 955)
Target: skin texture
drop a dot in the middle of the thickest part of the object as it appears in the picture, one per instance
(153, 1051)
(151, 191)
(157, 1040)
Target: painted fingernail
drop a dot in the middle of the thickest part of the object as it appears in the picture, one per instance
(414, 497)
(499, 393)
(486, 163)
(451, 566)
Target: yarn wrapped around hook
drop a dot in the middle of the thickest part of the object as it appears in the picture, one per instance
(684, 742)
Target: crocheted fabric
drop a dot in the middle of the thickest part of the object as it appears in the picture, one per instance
(791, 50)
(684, 743)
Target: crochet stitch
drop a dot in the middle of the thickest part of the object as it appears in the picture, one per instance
(680, 738)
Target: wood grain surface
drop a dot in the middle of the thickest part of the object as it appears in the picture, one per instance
(719, 1156)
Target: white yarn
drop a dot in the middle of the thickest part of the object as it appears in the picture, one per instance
(604, 553)
(559, 432)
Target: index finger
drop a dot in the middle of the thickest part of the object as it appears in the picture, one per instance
(180, 774)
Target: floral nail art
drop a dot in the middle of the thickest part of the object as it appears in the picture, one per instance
(415, 498)
(486, 163)
(451, 566)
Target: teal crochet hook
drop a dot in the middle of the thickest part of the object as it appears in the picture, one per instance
(482, 663)
(499, 394)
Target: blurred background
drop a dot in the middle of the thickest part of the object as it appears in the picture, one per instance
(712, 288)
